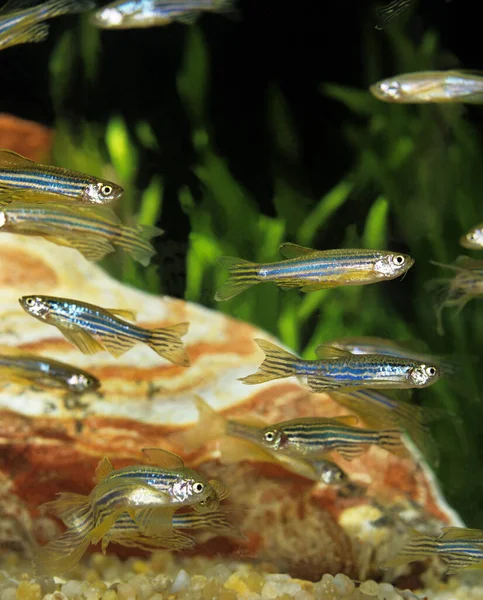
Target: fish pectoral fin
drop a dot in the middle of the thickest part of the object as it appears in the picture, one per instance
(154, 522)
(163, 458)
(221, 490)
(131, 315)
(103, 469)
(83, 340)
(9, 158)
(350, 420)
(329, 351)
(289, 250)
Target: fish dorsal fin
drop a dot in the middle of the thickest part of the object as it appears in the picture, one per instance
(163, 458)
(462, 533)
(10, 159)
(221, 490)
(130, 315)
(349, 420)
(329, 351)
(252, 421)
(104, 468)
(289, 250)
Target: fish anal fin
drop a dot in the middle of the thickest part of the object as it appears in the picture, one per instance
(289, 250)
(155, 522)
(329, 351)
(322, 384)
(115, 345)
(83, 340)
(104, 468)
(163, 458)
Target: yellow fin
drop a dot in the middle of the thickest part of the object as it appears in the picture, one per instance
(91, 247)
(163, 458)
(131, 315)
(211, 425)
(321, 285)
(221, 490)
(11, 160)
(167, 343)
(61, 555)
(83, 340)
(242, 274)
(289, 250)
(328, 351)
(462, 533)
(115, 344)
(252, 421)
(235, 450)
(68, 506)
(349, 420)
(175, 540)
(104, 468)
(277, 364)
(155, 522)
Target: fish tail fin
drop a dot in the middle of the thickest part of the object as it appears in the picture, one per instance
(391, 440)
(60, 555)
(167, 343)
(56, 8)
(135, 240)
(418, 547)
(242, 274)
(278, 363)
(211, 425)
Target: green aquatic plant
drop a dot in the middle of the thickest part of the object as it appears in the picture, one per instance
(415, 184)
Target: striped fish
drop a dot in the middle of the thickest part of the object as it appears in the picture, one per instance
(148, 494)
(375, 345)
(457, 291)
(20, 25)
(312, 270)
(125, 531)
(24, 179)
(240, 441)
(458, 547)
(27, 369)
(93, 232)
(125, 14)
(93, 329)
(313, 437)
(341, 370)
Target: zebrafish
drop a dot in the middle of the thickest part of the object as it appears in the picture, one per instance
(431, 86)
(27, 369)
(126, 532)
(473, 239)
(458, 290)
(130, 14)
(375, 345)
(341, 370)
(24, 179)
(19, 25)
(244, 440)
(149, 494)
(93, 329)
(458, 547)
(94, 232)
(312, 270)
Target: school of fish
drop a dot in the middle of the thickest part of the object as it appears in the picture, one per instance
(148, 506)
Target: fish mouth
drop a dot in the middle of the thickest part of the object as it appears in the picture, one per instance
(465, 242)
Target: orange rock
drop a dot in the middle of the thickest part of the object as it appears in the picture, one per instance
(49, 445)
(28, 138)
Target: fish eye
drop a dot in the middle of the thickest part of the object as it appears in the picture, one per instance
(198, 488)
(106, 190)
(431, 371)
(30, 302)
(392, 89)
(269, 436)
(399, 260)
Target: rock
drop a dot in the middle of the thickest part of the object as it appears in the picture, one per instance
(49, 444)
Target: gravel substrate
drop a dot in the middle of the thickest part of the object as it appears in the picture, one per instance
(164, 576)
